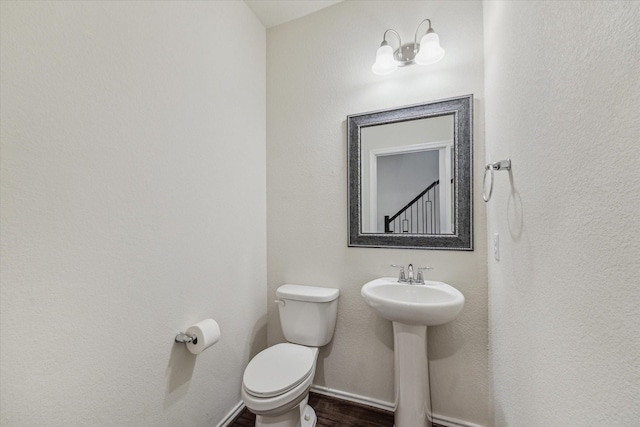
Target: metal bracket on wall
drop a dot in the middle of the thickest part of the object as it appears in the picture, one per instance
(182, 337)
(502, 165)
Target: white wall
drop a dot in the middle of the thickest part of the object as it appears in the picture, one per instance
(562, 100)
(133, 205)
(318, 72)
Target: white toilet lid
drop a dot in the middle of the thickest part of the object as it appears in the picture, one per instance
(278, 369)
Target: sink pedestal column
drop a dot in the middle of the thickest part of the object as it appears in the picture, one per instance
(411, 370)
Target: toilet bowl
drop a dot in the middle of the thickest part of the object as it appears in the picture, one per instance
(276, 382)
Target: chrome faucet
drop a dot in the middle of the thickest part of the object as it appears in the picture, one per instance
(401, 278)
(419, 280)
(410, 273)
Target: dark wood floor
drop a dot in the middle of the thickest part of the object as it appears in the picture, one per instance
(334, 412)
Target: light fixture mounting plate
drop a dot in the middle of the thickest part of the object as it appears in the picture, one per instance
(406, 54)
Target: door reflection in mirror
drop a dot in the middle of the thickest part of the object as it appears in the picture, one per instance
(407, 176)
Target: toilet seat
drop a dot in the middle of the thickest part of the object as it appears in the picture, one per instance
(278, 369)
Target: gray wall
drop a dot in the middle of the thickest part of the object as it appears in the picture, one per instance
(402, 177)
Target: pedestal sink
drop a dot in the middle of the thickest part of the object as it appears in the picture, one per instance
(412, 308)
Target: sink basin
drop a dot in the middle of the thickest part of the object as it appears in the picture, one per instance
(433, 303)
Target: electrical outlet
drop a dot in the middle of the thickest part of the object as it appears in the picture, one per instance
(496, 246)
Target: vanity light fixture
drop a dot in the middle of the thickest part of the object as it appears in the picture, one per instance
(427, 52)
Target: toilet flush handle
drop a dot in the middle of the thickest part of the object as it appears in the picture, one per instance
(281, 302)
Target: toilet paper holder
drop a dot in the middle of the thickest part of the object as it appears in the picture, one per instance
(182, 337)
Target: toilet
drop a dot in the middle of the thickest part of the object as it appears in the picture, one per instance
(276, 382)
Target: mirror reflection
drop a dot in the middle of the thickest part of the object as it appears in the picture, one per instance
(407, 177)
(410, 176)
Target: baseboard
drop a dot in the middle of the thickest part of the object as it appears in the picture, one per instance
(350, 397)
(387, 406)
(231, 416)
(356, 398)
(452, 422)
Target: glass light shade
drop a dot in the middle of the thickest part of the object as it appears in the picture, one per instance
(385, 64)
(430, 50)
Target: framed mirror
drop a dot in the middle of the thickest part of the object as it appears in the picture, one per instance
(410, 172)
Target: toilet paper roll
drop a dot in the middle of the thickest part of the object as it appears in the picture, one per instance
(207, 333)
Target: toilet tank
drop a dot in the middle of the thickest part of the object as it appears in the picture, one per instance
(308, 313)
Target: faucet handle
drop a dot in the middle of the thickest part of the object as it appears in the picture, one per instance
(401, 277)
(420, 278)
